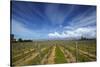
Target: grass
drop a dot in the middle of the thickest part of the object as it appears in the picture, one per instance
(59, 56)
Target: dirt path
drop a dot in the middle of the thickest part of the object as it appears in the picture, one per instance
(51, 58)
(68, 55)
(24, 61)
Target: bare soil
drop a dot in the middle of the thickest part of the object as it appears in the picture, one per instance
(51, 58)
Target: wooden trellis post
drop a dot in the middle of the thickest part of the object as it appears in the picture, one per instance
(39, 50)
(76, 47)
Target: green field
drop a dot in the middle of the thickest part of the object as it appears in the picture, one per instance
(53, 52)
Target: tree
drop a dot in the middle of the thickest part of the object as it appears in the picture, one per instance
(20, 40)
(83, 38)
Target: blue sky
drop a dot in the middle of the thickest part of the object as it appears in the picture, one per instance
(34, 20)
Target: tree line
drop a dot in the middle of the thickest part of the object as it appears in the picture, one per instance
(13, 39)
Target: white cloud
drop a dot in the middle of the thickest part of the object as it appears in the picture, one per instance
(89, 32)
(55, 34)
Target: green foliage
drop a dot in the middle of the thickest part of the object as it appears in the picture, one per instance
(59, 56)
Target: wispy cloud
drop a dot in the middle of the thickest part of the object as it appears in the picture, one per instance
(56, 15)
(84, 20)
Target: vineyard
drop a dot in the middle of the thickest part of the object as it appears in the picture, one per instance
(53, 52)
